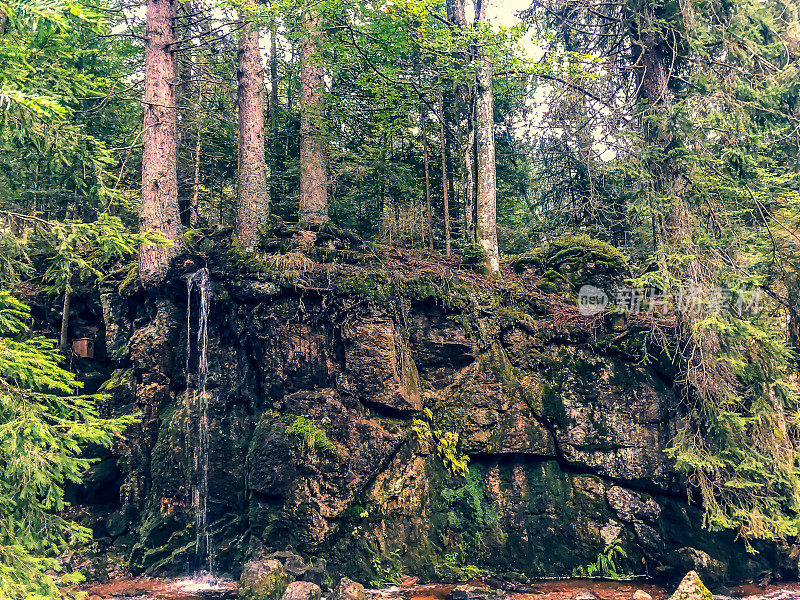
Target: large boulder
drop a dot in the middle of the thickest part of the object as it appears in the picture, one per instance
(263, 580)
(348, 590)
(302, 590)
(709, 569)
(692, 588)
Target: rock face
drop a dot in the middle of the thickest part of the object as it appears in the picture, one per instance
(312, 398)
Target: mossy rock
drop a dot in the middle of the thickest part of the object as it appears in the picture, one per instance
(263, 580)
(570, 261)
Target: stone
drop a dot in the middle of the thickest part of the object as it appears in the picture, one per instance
(692, 588)
(95, 597)
(315, 574)
(471, 592)
(630, 507)
(641, 595)
(302, 590)
(611, 531)
(117, 524)
(347, 589)
(709, 569)
(263, 580)
(377, 367)
(118, 328)
(585, 595)
(295, 566)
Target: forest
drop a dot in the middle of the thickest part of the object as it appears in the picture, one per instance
(500, 166)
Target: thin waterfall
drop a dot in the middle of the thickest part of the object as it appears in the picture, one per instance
(197, 416)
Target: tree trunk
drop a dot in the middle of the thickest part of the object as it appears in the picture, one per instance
(194, 205)
(313, 160)
(429, 213)
(445, 185)
(184, 72)
(63, 341)
(253, 196)
(273, 114)
(487, 174)
(464, 92)
(159, 206)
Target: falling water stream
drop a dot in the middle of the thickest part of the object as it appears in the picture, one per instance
(197, 411)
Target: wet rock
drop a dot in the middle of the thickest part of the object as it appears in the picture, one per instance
(692, 588)
(250, 290)
(610, 416)
(347, 589)
(378, 369)
(315, 574)
(630, 507)
(641, 595)
(611, 531)
(117, 327)
(295, 566)
(302, 590)
(471, 592)
(585, 595)
(263, 580)
(709, 569)
(117, 524)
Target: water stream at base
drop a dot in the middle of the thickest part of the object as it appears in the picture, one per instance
(197, 422)
(568, 589)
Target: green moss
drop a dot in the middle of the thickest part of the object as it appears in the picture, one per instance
(267, 586)
(311, 436)
(496, 361)
(553, 406)
(572, 259)
(119, 378)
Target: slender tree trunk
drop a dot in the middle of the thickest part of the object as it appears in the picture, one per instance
(159, 206)
(464, 109)
(63, 341)
(253, 196)
(445, 185)
(487, 173)
(183, 92)
(313, 160)
(194, 205)
(273, 114)
(429, 213)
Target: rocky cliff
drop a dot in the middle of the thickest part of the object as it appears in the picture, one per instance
(321, 361)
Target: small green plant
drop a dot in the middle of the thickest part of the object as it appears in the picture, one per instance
(473, 254)
(606, 563)
(388, 570)
(312, 438)
(444, 443)
(453, 567)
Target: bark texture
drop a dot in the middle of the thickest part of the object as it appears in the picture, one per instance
(429, 210)
(253, 195)
(445, 186)
(487, 172)
(464, 96)
(313, 160)
(159, 206)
